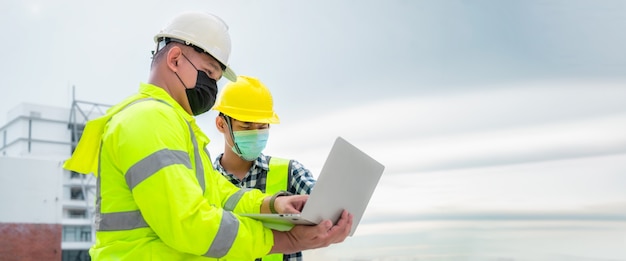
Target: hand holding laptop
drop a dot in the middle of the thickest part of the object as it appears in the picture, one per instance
(290, 204)
(346, 182)
(306, 222)
(295, 238)
(304, 237)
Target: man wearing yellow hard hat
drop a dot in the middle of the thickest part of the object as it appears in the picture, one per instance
(158, 195)
(245, 114)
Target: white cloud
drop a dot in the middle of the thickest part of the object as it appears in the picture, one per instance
(520, 123)
(540, 149)
(581, 186)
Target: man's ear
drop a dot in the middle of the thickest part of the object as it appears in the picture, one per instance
(220, 124)
(173, 55)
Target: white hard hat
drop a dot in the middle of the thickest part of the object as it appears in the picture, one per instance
(203, 30)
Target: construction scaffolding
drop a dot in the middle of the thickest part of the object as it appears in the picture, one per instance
(80, 113)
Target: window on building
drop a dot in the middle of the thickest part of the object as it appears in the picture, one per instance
(76, 233)
(76, 193)
(77, 133)
(76, 213)
(75, 255)
(75, 175)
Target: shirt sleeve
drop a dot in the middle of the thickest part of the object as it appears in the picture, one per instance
(302, 181)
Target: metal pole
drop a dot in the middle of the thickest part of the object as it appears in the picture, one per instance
(30, 133)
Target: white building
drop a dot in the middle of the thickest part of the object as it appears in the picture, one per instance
(41, 200)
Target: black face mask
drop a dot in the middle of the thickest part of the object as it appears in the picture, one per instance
(202, 97)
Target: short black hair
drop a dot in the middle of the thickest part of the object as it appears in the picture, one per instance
(165, 41)
(158, 54)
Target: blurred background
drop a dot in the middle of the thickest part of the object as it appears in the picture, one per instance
(501, 123)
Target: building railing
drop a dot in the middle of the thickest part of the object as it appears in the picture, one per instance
(4, 130)
(80, 113)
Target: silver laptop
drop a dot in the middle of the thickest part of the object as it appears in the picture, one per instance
(347, 181)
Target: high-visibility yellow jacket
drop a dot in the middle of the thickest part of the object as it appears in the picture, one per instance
(159, 197)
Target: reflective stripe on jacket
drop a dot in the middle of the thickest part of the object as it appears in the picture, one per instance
(277, 179)
(159, 197)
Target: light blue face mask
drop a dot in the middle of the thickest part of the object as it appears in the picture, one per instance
(250, 143)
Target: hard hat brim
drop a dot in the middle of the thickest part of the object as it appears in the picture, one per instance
(230, 74)
(270, 120)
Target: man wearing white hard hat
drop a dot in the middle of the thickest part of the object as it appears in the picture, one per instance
(158, 196)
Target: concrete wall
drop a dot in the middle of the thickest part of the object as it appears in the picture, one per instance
(30, 190)
(30, 209)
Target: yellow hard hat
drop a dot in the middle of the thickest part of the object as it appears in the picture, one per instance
(247, 99)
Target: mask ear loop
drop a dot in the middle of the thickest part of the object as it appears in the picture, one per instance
(230, 131)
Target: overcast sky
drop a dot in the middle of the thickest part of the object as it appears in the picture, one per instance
(421, 85)
(316, 56)
(475, 107)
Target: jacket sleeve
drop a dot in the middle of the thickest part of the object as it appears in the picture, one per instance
(155, 155)
(238, 200)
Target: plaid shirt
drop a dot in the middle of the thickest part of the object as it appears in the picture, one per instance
(301, 181)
